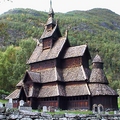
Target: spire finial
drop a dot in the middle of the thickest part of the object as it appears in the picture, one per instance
(50, 3)
(51, 12)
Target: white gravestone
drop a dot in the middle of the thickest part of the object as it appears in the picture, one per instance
(1, 105)
(44, 108)
(21, 103)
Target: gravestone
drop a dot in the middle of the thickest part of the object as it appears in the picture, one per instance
(100, 109)
(51, 109)
(10, 100)
(21, 102)
(9, 105)
(1, 105)
(44, 108)
(95, 109)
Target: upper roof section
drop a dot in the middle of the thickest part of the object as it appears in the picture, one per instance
(76, 51)
(97, 59)
(40, 55)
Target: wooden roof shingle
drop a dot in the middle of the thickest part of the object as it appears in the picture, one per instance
(40, 55)
(14, 95)
(97, 59)
(75, 51)
(77, 90)
(20, 83)
(51, 90)
(75, 74)
(35, 76)
(98, 76)
(50, 75)
(101, 89)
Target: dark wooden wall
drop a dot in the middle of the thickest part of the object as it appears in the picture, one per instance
(71, 62)
(106, 101)
(43, 65)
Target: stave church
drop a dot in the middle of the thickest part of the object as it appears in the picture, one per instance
(59, 75)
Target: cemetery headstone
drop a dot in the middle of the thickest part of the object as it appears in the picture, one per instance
(9, 105)
(100, 109)
(21, 102)
(95, 109)
(10, 100)
(1, 105)
(44, 108)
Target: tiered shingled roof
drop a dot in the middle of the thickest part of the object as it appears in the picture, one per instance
(40, 55)
(98, 81)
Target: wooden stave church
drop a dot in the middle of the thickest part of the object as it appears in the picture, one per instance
(60, 76)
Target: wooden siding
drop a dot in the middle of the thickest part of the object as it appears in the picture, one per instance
(78, 102)
(97, 65)
(71, 62)
(106, 101)
(47, 43)
(43, 65)
(49, 101)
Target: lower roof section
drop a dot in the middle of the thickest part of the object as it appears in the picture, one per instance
(51, 90)
(14, 95)
(77, 90)
(101, 89)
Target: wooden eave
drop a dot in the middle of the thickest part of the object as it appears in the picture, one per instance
(14, 95)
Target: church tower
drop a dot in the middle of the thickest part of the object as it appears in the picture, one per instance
(51, 32)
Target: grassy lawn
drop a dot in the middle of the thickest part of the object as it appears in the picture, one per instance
(3, 101)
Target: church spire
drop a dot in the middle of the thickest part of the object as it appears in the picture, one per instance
(51, 12)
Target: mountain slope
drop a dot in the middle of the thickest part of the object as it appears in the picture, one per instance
(99, 28)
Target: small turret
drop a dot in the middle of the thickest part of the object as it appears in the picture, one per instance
(97, 62)
(97, 73)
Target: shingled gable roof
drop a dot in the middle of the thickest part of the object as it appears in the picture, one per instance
(101, 89)
(14, 95)
(75, 74)
(34, 76)
(20, 84)
(40, 55)
(76, 51)
(47, 34)
(50, 91)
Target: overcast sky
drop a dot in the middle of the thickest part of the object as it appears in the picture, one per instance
(61, 5)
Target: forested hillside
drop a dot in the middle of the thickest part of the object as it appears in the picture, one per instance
(99, 28)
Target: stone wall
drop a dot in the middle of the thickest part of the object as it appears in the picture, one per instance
(27, 115)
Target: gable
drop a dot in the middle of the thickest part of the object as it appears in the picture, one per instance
(32, 77)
